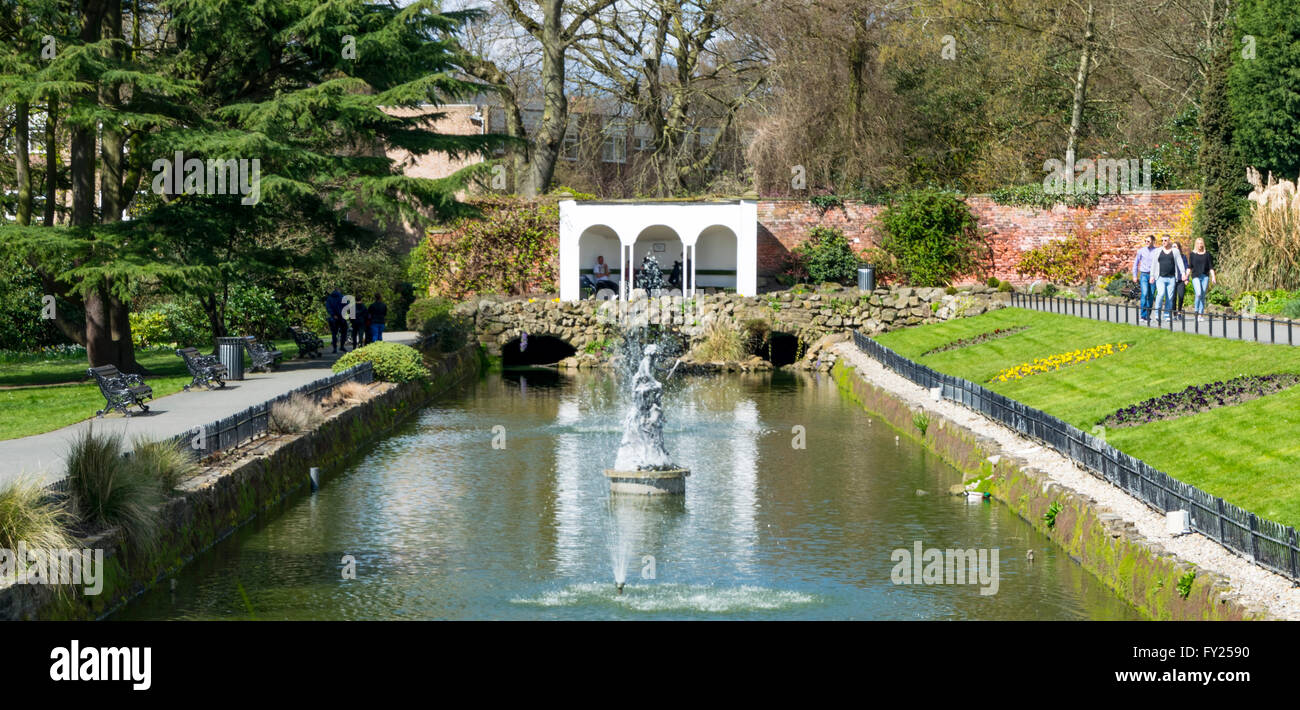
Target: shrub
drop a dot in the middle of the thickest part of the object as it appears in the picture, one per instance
(512, 249)
(992, 282)
(296, 413)
(720, 342)
(393, 362)
(829, 256)
(28, 513)
(108, 491)
(1006, 287)
(933, 236)
(1033, 195)
(435, 317)
(163, 460)
(951, 290)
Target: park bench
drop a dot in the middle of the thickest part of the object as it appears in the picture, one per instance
(120, 390)
(263, 358)
(206, 369)
(309, 344)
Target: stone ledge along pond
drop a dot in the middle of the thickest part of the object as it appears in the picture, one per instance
(491, 504)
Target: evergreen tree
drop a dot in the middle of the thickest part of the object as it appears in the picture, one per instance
(296, 85)
(1223, 176)
(1264, 86)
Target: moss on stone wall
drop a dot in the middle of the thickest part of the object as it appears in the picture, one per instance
(1140, 571)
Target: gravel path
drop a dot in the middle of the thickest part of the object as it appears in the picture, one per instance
(1253, 584)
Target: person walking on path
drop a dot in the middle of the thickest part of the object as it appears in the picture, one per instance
(334, 315)
(1180, 288)
(360, 326)
(1142, 274)
(1202, 275)
(378, 318)
(1167, 270)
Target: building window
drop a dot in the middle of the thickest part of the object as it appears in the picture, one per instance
(614, 148)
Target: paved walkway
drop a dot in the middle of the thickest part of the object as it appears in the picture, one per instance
(41, 456)
(1262, 329)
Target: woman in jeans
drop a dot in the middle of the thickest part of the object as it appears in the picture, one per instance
(1167, 271)
(1180, 287)
(1201, 270)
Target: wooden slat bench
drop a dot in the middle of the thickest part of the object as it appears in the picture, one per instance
(205, 369)
(264, 358)
(120, 390)
(309, 344)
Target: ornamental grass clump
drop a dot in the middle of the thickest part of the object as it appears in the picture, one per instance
(108, 490)
(720, 343)
(296, 413)
(1056, 362)
(31, 515)
(1201, 398)
(163, 460)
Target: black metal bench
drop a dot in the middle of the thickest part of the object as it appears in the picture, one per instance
(120, 390)
(206, 369)
(309, 344)
(263, 358)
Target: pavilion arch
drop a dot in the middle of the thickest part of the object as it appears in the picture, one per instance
(715, 257)
(599, 240)
(660, 240)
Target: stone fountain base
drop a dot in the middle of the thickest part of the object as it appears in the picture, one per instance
(669, 482)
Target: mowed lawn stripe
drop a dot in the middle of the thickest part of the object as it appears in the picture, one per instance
(1249, 454)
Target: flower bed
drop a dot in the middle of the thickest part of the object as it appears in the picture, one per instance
(1201, 398)
(1056, 362)
(976, 339)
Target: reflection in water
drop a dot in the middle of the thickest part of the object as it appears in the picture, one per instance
(443, 525)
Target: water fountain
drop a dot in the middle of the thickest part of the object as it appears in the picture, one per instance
(643, 465)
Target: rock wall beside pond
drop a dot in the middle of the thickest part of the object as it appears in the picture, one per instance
(808, 314)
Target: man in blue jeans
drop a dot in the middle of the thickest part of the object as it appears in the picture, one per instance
(378, 318)
(1142, 264)
(1167, 270)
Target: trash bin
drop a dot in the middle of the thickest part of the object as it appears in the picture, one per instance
(866, 278)
(230, 351)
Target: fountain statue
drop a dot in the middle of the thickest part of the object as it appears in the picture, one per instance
(643, 464)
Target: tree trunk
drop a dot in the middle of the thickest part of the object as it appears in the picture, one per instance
(549, 141)
(22, 164)
(1080, 93)
(51, 160)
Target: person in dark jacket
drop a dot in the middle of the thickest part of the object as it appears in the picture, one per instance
(334, 316)
(360, 326)
(378, 318)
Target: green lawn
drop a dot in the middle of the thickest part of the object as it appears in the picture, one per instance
(1248, 454)
(36, 410)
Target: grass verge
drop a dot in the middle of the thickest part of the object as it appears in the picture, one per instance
(1249, 454)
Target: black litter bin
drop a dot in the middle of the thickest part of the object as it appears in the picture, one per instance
(230, 351)
(866, 278)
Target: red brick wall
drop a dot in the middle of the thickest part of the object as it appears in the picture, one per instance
(1120, 222)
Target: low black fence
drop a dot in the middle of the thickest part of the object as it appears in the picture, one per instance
(1265, 542)
(1253, 328)
(253, 422)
